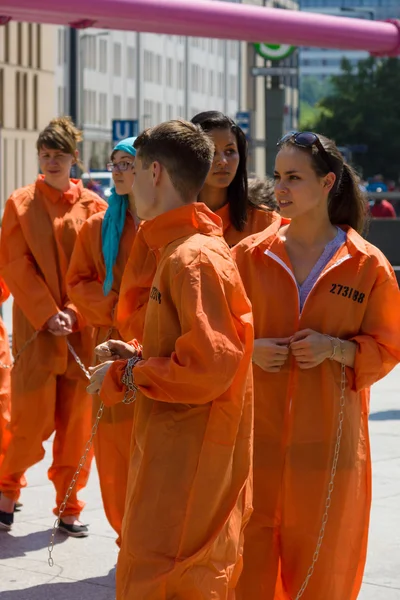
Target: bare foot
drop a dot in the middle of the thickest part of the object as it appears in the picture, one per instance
(6, 504)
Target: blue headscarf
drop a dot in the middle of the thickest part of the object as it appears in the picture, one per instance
(114, 221)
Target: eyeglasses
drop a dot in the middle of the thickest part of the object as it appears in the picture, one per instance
(307, 139)
(121, 166)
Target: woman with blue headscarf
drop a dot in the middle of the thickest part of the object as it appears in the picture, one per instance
(93, 281)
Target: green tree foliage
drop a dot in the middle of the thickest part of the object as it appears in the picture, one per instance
(364, 108)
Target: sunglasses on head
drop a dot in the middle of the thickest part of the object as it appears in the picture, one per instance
(307, 139)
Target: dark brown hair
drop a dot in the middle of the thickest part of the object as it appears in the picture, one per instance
(60, 134)
(183, 149)
(237, 190)
(262, 193)
(347, 205)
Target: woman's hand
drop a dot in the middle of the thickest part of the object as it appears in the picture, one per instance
(310, 348)
(98, 374)
(270, 354)
(115, 350)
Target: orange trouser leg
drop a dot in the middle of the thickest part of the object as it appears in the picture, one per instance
(32, 422)
(112, 451)
(73, 423)
(260, 561)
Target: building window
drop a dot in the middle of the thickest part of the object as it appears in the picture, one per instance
(30, 45)
(233, 47)
(103, 109)
(25, 101)
(170, 112)
(211, 83)
(148, 113)
(131, 59)
(158, 112)
(117, 107)
(159, 77)
(220, 85)
(232, 87)
(181, 112)
(61, 34)
(148, 71)
(181, 75)
(117, 60)
(35, 102)
(220, 47)
(211, 46)
(195, 78)
(38, 46)
(131, 108)
(7, 43)
(1, 99)
(61, 103)
(19, 43)
(18, 100)
(170, 72)
(103, 56)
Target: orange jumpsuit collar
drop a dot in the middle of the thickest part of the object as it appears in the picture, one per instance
(181, 222)
(224, 215)
(54, 195)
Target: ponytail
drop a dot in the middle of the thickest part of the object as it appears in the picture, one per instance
(347, 205)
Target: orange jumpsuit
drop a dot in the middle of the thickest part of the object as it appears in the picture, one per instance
(296, 413)
(40, 225)
(5, 358)
(141, 266)
(189, 481)
(85, 279)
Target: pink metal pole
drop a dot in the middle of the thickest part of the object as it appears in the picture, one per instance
(204, 18)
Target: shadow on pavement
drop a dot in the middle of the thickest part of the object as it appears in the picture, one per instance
(11, 546)
(385, 415)
(97, 588)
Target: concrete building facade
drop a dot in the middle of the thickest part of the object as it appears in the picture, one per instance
(26, 100)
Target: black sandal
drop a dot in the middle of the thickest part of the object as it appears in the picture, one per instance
(6, 520)
(18, 506)
(77, 531)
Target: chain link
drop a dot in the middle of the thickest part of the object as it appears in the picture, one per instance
(24, 347)
(81, 462)
(128, 381)
(333, 474)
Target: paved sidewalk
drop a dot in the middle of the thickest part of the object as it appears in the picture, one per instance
(85, 568)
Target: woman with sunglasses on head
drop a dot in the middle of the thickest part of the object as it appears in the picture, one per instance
(48, 389)
(325, 305)
(94, 277)
(225, 192)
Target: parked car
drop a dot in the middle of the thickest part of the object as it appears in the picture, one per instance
(99, 181)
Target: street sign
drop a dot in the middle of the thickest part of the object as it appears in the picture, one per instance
(243, 119)
(265, 71)
(274, 51)
(124, 128)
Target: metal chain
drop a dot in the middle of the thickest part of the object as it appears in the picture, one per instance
(24, 347)
(81, 462)
(128, 381)
(333, 474)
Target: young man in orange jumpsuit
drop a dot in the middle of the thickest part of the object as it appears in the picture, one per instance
(243, 211)
(327, 322)
(39, 229)
(5, 383)
(188, 492)
(94, 276)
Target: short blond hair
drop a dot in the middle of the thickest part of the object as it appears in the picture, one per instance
(185, 151)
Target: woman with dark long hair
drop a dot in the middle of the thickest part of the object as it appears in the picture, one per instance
(327, 321)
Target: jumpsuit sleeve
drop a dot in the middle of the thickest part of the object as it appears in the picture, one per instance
(207, 354)
(4, 291)
(378, 341)
(22, 274)
(84, 286)
(135, 289)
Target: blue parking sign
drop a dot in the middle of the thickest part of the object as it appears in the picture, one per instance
(243, 119)
(124, 128)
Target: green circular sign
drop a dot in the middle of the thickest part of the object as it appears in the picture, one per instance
(274, 51)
